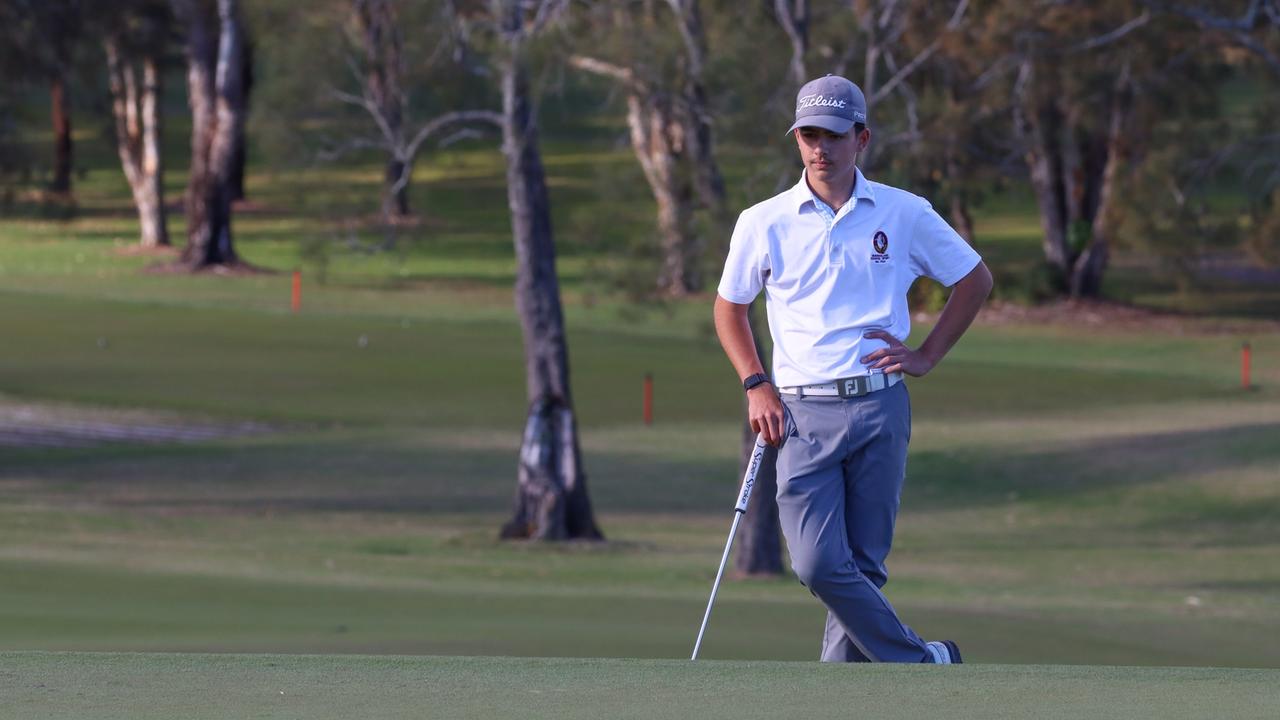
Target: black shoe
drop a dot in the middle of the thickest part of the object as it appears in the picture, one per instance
(944, 652)
(953, 650)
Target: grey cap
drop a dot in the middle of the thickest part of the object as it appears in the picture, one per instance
(830, 102)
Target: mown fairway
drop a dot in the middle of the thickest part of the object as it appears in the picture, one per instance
(1073, 497)
(1076, 495)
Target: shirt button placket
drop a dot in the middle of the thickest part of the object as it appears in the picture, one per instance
(834, 254)
(834, 258)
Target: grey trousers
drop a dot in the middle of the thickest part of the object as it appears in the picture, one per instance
(840, 475)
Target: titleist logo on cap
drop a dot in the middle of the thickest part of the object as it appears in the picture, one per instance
(830, 102)
(807, 101)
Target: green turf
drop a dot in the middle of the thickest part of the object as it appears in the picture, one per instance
(1062, 487)
(140, 686)
(1090, 496)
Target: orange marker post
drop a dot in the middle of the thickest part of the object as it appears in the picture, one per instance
(1246, 361)
(296, 302)
(648, 399)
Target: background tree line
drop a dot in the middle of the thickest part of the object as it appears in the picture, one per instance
(1125, 119)
(1082, 101)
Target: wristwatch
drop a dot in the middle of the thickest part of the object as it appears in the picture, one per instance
(754, 380)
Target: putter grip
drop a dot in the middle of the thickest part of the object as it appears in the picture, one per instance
(749, 480)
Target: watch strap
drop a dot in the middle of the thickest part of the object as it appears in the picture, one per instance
(754, 380)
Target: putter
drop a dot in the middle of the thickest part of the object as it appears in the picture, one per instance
(753, 466)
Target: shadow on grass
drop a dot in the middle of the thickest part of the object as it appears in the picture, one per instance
(979, 477)
(340, 476)
(358, 474)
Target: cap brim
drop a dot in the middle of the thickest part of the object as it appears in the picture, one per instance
(834, 123)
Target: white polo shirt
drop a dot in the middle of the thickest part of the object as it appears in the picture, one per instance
(828, 277)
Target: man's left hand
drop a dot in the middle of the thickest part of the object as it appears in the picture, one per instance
(897, 357)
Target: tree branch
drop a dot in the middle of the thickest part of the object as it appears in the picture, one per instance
(957, 17)
(1114, 35)
(606, 69)
(364, 101)
(442, 121)
(547, 12)
(903, 73)
(1246, 22)
(357, 100)
(685, 10)
(794, 21)
(998, 68)
(458, 136)
(1259, 13)
(331, 154)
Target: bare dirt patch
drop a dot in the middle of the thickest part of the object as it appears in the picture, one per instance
(136, 250)
(236, 269)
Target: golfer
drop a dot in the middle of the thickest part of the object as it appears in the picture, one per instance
(835, 255)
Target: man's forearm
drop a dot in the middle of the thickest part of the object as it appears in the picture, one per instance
(733, 327)
(764, 407)
(961, 308)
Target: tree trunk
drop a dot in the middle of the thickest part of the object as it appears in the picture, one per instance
(699, 133)
(151, 211)
(240, 157)
(1046, 164)
(677, 277)
(1086, 276)
(551, 497)
(230, 125)
(760, 552)
(395, 201)
(137, 122)
(61, 117)
(1073, 172)
(961, 218)
(201, 59)
(384, 61)
(657, 137)
(671, 136)
(217, 109)
(793, 16)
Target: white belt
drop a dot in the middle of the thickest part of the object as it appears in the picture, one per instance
(856, 386)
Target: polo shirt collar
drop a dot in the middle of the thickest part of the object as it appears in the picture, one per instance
(862, 190)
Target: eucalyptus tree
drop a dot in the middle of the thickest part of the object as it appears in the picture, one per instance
(216, 96)
(1251, 28)
(655, 52)
(1090, 87)
(39, 40)
(406, 79)
(135, 40)
(551, 491)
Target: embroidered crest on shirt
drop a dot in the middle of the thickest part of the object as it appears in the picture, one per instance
(880, 244)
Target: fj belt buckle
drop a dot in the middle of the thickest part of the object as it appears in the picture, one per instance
(856, 386)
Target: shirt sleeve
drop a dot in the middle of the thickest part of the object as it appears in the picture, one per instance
(937, 251)
(746, 265)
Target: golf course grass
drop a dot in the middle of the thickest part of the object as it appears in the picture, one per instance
(141, 686)
(1091, 511)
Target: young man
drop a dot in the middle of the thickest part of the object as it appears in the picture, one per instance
(835, 256)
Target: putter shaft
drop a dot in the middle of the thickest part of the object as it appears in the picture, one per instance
(748, 481)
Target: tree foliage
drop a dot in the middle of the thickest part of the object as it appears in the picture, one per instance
(1076, 102)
